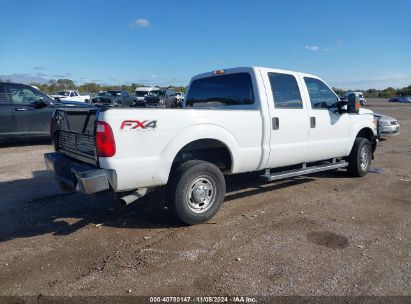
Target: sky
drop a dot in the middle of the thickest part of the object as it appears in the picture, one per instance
(350, 44)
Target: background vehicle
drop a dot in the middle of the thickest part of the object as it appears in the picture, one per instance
(180, 99)
(234, 121)
(387, 126)
(26, 112)
(161, 99)
(360, 95)
(401, 99)
(70, 95)
(114, 98)
(142, 92)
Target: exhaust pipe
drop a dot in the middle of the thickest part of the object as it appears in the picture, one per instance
(134, 195)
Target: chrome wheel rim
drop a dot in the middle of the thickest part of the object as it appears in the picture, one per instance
(364, 157)
(201, 195)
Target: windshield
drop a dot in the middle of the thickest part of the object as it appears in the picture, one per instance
(64, 93)
(109, 93)
(141, 93)
(156, 93)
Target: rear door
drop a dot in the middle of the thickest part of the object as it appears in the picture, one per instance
(289, 119)
(6, 114)
(29, 119)
(329, 130)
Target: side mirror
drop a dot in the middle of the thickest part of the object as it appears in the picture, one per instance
(342, 106)
(353, 104)
(39, 103)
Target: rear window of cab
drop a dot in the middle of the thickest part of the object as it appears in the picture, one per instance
(221, 90)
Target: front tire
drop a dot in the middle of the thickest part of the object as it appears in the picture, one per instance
(196, 191)
(359, 161)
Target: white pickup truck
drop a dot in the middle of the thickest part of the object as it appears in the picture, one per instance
(280, 123)
(70, 95)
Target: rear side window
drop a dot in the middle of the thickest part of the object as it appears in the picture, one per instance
(285, 90)
(221, 90)
(321, 96)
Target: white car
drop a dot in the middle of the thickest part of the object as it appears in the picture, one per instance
(387, 126)
(70, 95)
(233, 121)
(142, 92)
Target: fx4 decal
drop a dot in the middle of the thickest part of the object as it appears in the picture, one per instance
(136, 124)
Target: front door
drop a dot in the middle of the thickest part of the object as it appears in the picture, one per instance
(329, 130)
(29, 119)
(289, 120)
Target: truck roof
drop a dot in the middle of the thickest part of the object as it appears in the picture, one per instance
(250, 69)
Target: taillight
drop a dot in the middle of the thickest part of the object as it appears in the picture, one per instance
(106, 147)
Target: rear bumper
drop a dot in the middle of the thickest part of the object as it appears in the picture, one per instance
(77, 176)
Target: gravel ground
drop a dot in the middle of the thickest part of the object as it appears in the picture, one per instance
(324, 234)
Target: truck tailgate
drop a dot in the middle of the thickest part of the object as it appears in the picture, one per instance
(73, 133)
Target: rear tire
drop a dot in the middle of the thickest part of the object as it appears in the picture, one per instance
(196, 191)
(360, 158)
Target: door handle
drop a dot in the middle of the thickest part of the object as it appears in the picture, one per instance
(312, 122)
(276, 123)
(20, 109)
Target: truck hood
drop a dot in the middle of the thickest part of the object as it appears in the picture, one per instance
(153, 99)
(384, 117)
(365, 111)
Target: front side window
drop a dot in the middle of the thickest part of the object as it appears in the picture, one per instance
(221, 90)
(321, 96)
(285, 90)
(21, 94)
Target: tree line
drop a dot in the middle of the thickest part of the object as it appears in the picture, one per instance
(92, 87)
(374, 93)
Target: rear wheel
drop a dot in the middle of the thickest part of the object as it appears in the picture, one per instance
(196, 191)
(359, 161)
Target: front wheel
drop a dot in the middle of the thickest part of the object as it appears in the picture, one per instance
(359, 161)
(196, 191)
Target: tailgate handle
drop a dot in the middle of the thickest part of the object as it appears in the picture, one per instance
(276, 123)
(312, 122)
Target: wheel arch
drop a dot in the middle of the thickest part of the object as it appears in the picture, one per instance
(367, 133)
(201, 137)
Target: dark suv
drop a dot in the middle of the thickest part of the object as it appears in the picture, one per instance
(161, 99)
(26, 112)
(116, 98)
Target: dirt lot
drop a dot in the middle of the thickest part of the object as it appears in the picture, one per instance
(325, 234)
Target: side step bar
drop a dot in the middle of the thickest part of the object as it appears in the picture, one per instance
(268, 176)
